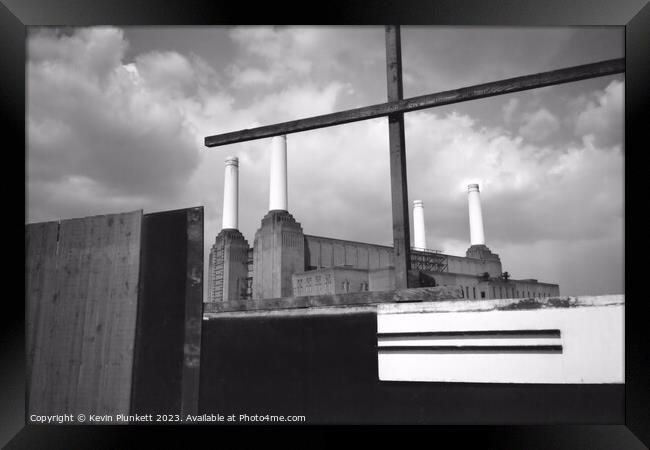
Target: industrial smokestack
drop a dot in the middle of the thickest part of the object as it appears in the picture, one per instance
(278, 179)
(419, 234)
(475, 216)
(230, 194)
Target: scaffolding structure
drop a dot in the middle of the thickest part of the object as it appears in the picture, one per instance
(428, 260)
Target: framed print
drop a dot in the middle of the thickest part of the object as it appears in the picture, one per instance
(208, 207)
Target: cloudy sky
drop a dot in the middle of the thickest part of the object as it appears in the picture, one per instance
(117, 117)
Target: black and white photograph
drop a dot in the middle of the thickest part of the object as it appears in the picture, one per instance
(325, 225)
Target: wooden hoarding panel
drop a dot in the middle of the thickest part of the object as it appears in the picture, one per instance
(81, 304)
(166, 361)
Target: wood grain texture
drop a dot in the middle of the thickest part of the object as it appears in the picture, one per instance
(193, 312)
(168, 337)
(40, 283)
(500, 87)
(397, 157)
(81, 309)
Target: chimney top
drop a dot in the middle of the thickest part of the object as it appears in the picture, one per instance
(232, 160)
(472, 187)
(417, 203)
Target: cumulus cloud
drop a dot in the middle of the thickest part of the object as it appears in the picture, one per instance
(509, 109)
(92, 52)
(603, 115)
(539, 125)
(167, 71)
(281, 54)
(297, 101)
(530, 193)
(276, 58)
(116, 126)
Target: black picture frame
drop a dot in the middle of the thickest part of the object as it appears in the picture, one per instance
(16, 15)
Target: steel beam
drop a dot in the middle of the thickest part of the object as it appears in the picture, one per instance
(397, 149)
(507, 86)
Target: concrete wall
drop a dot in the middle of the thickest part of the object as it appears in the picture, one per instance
(331, 280)
(228, 268)
(278, 253)
(472, 266)
(476, 288)
(382, 279)
(579, 340)
(328, 252)
(323, 252)
(532, 288)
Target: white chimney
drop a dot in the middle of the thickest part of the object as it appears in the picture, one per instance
(419, 234)
(231, 194)
(278, 179)
(476, 235)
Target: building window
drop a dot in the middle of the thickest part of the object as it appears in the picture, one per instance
(494, 292)
(501, 291)
(517, 293)
(482, 294)
(474, 291)
(467, 291)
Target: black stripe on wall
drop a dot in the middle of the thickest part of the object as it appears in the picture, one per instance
(544, 333)
(470, 348)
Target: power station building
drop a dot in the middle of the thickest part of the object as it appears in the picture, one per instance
(285, 262)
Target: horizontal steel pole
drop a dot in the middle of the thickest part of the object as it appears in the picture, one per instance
(507, 86)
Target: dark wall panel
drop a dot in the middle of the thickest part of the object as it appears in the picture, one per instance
(325, 367)
(165, 372)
